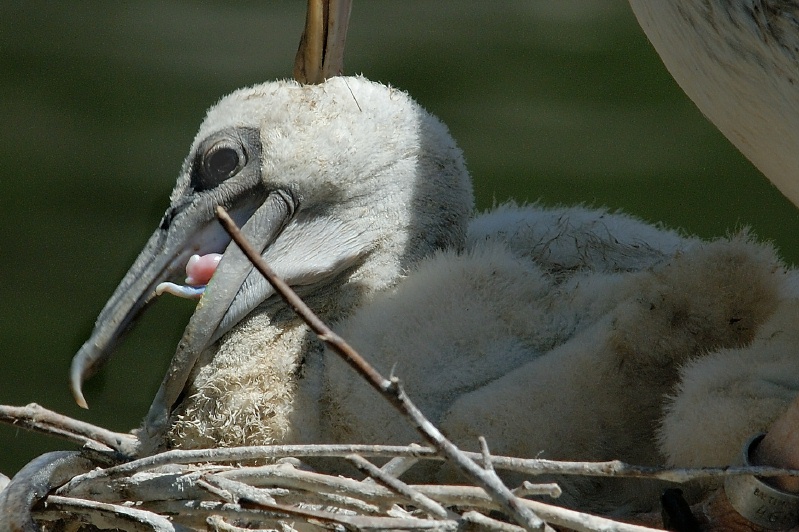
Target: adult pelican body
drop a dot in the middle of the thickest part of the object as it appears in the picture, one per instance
(738, 60)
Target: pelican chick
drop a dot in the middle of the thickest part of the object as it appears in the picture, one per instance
(344, 186)
(552, 332)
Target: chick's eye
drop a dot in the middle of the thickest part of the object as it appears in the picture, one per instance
(222, 162)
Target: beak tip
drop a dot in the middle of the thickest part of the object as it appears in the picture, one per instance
(78, 395)
(75, 385)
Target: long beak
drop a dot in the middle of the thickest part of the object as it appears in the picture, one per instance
(187, 229)
(217, 304)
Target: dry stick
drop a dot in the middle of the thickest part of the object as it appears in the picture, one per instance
(279, 481)
(390, 389)
(398, 465)
(245, 493)
(485, 453)
(330, 490)
(39, 419)
(260, 452)
(396, 485)
(36, 418)
(530, 466)
(616, 468)
(103, 514)
(528, 488)
(491, 524)
(217, 523)
(196, 514)
(290, 484)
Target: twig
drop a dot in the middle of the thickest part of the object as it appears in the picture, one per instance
(491, 524)
(390, 389)
(398, 465)
(35, 418)
(309, 487)
(396, 485)
(582, 522)
(252, 495)
(39, 419)
(485, 454)
(103, 514)
(287, 476)
(219, 492)
(217, 523)
(195, 514)
(281, 478)
(616, 468)
(530, 466)
(528, 488)
(257, 452)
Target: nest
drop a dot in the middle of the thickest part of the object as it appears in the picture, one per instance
(214, 489)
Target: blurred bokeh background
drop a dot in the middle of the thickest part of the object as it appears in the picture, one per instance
(557, 102)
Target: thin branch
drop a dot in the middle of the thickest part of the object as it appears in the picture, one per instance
(243, 492)
(396, 485)
(220, 493)
(103, 514)
(582, 522)
(390, 389)
(100, 481)
(491, 524)
(529, 488)
(282, 480)
(486, 454)
(616, 468)
(195, 514)
(309, 488)
(217, 523)
(398, 465)
(39, 419)
(262, 452)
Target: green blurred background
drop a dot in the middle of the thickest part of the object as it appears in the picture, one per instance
(559, 101)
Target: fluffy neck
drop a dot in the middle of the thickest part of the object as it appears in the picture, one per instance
(243, 390)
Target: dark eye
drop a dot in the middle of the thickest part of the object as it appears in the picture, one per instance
(222, 161)
(223, 155)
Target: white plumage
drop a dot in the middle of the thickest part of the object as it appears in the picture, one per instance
(739, 62)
